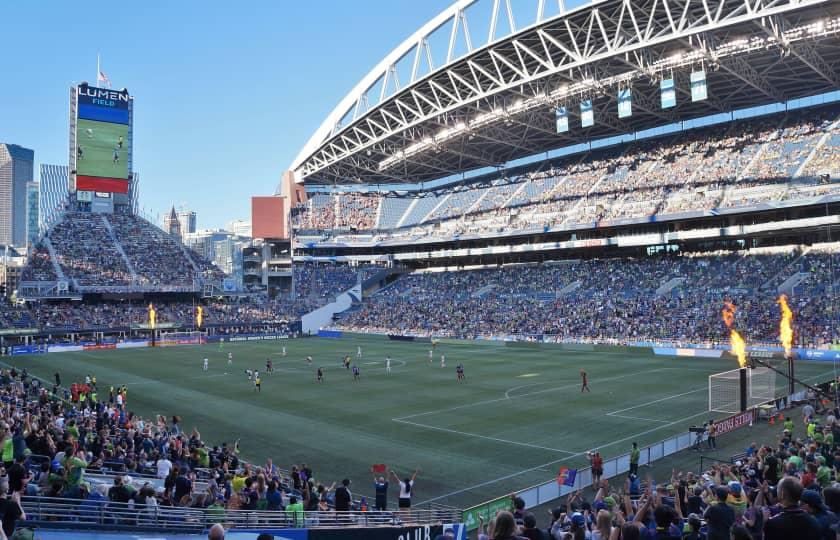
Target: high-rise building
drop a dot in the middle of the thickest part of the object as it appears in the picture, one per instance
(53, 195)
(240, 227)
(32, 213)
(171, 224)
(16, 170)
(187, 220)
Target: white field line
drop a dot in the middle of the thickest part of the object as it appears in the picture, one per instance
(476, 435)
(607, 445)
(508, 397)
(566, 458)
(614, 413)
(636, 418)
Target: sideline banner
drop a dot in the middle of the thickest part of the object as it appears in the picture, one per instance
(486, 511)
(425, 532)
(335, 334)
(736, 421)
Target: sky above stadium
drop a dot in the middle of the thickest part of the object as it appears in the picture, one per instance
(226, 93)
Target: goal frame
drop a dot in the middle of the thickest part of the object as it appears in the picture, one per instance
(171, 339)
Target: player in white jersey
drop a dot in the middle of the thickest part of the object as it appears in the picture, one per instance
(205, 364)
(431, 355)
(388, 364)
(230, 358)
(442, 360)
(284, 350)
(358, 352)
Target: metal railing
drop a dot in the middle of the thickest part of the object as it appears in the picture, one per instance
(91, 513)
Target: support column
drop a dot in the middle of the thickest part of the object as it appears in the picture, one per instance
(743, 388)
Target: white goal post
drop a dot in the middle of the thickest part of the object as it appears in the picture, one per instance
(168, 339)
(724, 389)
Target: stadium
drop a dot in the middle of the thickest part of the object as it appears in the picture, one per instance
(566, 275)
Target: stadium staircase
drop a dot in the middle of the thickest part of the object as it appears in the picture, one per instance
(406, 213)
(780, 276)
(381, 279)
(666, 288)
(54, 259)
(442, 200)
(734, 191)
(569, 289)
(134, 277)
(790, 283)
(817, 148)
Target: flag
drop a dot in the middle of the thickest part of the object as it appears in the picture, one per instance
(566, 477)
(379, 468)
(102, 78)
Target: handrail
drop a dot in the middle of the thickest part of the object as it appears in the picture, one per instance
(61, 512)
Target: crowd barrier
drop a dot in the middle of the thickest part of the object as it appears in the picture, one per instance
(61, 513)
(551, 490)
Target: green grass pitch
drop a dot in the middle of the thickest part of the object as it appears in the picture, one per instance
(99, 141)
(519, 416)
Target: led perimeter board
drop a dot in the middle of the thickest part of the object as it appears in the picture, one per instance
(102, 147)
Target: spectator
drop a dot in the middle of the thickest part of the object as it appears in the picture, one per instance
(719, 516)
(792, 521)
(217, 532)
(343, 496)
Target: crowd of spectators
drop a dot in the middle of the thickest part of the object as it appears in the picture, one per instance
(82, 443)
(745, 162)
(324, 281)
(39, 266)
(86, 251)
(665, 298)
(51, 316)
(98, 251)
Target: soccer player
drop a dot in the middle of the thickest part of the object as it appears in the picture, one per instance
(116, 156)
(269, 366)
(459, 371)
(257, 384)
(356, 373)
(431, 355)
(120, 143)
(320, 375)
(80, 153)
(250, 374)
(205, 364)
(388, 364)
(584, 383)
(359, 351)
(57, 379)
(284, 350)
(256, 374)
(309, 360)
(347, 362)
(230, 358)
(443, 360)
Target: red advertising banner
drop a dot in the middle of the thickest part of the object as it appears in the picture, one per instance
(105, 185)
(736, 421)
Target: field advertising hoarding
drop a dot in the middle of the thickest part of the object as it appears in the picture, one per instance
(102, 147)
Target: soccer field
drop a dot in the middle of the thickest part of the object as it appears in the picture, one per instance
(518, 416)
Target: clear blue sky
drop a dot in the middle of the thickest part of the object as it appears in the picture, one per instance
(226, 92)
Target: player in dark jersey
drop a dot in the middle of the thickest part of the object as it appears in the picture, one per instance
(459, 371)
(269, 366)
(356, 373)
(319, 376)
(584, 382)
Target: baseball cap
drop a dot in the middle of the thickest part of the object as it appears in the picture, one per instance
(735, 487)
(812, 498)
(578, 519)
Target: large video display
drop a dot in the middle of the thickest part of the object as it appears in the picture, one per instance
(102, 148)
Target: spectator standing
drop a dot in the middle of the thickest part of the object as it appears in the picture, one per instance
(814, 505)
(380, 485)
(719, 516)
(343, 496)
(406, 486)
(792, 521)
(634, 459)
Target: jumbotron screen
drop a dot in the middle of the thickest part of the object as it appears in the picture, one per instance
(102, 140)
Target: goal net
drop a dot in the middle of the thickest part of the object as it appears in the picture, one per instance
(168, 339)
(724, 389)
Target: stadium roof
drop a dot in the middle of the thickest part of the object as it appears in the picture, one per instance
(496, 102)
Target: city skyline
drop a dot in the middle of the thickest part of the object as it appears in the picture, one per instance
(215, 123)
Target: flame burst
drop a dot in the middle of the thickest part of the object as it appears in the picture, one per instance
(739, 346)
(786, 324)
(152, 317)
(199, 315)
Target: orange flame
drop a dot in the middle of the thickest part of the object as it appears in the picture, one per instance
(152, 316)
(786, 324)
(199, 315)
(739, 346)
